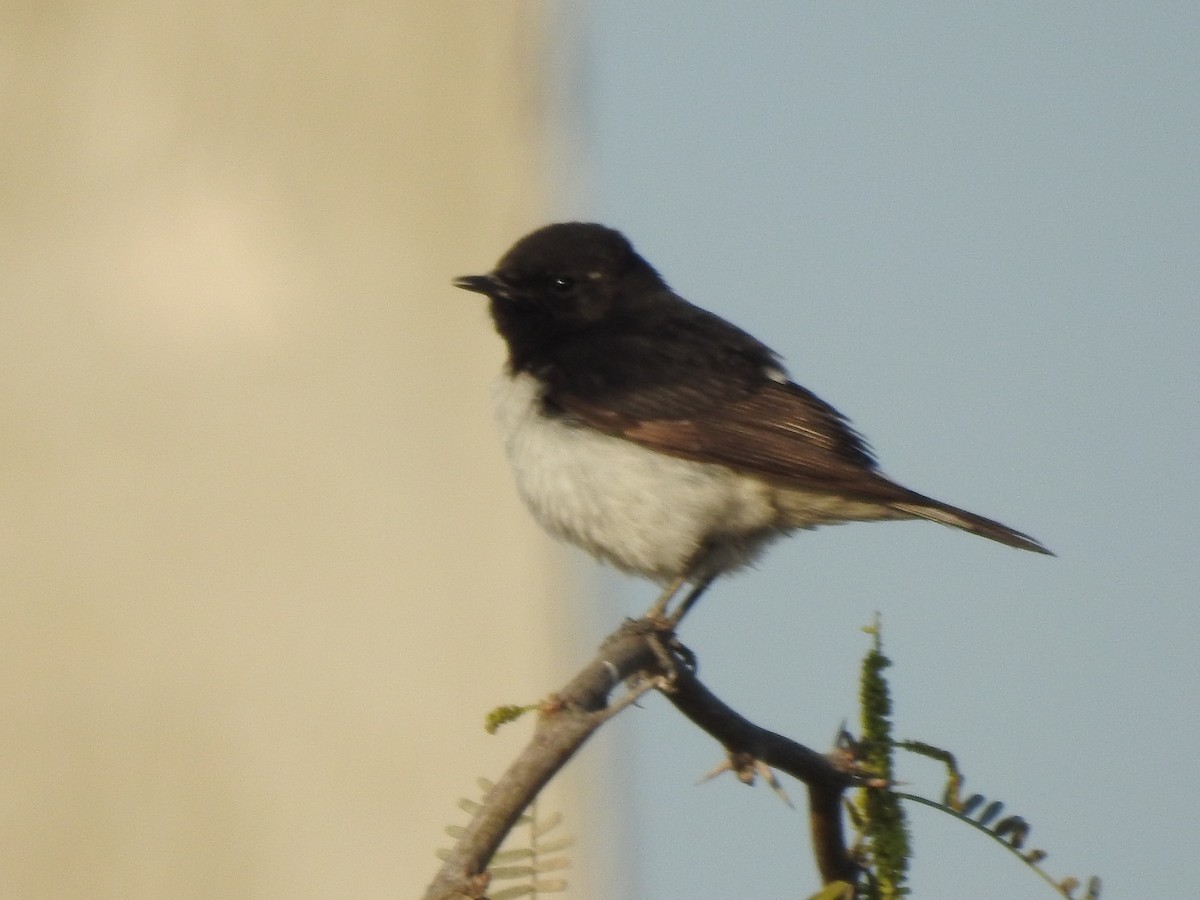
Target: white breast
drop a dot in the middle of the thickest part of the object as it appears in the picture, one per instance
(638, 509)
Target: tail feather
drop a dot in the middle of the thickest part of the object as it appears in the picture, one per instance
(968, 521)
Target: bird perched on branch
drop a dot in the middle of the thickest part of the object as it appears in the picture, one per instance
(660, 437)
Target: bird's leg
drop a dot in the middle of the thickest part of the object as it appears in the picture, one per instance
(690, 600)
(665, 642)
(699, 574)
(664, 626)
(665, 622)
(659, 608)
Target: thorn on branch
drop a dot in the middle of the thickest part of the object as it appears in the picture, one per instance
(747, 769)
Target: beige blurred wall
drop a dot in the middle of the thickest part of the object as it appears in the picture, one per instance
(263, 568)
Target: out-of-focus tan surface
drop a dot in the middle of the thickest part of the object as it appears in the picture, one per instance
(263, 567)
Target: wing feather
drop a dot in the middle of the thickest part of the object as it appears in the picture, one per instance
(777, 430)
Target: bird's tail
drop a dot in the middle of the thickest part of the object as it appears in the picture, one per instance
(945, 514)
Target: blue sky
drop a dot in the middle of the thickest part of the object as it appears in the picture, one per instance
(975, 231)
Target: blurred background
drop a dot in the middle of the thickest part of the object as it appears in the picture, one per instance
(264, 572)
(264, 569)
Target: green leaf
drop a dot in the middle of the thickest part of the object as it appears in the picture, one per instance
(835, 890)
(1014, 829)
(972, 803)
(502, 715)
(990, 812)
(509, 856)
(556, 845)
(502, 873)
(520, 890)
(551, 821)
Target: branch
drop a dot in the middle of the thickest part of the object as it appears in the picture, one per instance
(566, 719)
(637, 653)
(825, 778)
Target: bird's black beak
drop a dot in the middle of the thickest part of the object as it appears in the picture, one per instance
(482, 284)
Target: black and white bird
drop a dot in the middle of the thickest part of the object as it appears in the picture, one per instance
(660, 437)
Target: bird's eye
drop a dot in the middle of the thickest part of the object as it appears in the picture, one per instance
(563, 284)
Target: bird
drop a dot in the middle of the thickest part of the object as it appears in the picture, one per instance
(661, 438)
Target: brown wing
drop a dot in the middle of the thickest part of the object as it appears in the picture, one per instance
(777, 430)
(784, 433)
